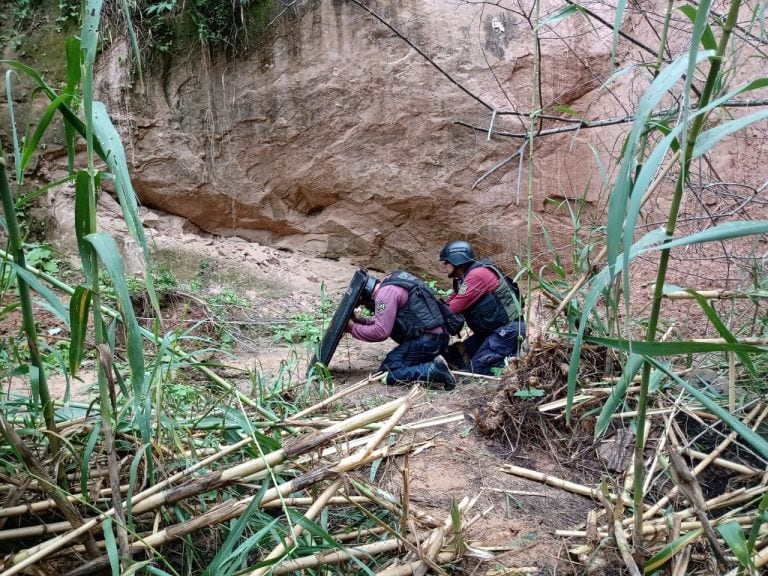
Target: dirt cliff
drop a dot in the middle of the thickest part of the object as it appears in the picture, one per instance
(378, 132)
(340, 136)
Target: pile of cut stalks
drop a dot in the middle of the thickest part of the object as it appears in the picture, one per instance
(692, 497)
(320, 468)
(321, 458)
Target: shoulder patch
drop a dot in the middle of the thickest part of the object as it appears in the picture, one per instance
(381, 306)
(463, 288)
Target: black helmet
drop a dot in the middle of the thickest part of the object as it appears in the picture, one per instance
(457, 252)
(370, 285)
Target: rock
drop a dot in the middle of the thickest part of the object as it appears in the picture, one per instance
(335, 137)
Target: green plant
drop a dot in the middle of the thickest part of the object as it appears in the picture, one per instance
(21, 9)
(169, 25)
(643, 158)
(69, 11)
(442, 293)
(529, 392)
(159, 8)
(41, 256)
(43, 396)
(228, 297)
(201, 280)
(306, 327)
(301, 327)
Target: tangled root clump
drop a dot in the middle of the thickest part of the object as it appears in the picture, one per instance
(537, 378)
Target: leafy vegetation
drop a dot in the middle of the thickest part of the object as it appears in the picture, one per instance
(171, 26)
(305, 327)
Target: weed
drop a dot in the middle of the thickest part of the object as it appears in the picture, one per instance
(441, 293)
(301, 327)
(306, 327)
(42, 257)
(228, 297)
(69, 11)
(529, 393)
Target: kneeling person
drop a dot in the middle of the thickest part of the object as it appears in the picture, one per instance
(490, 303)
(406, 310)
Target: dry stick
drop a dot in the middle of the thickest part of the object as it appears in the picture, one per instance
(629, 479)
(29, 531)
(554, 481)
(478, 376)
(709, 294)
(411, 547)
(300, 502)
(295, 565)
(46, 483)
(604, 250)
(345, 536)
(704, 463)
(14, 495)
(429, 548)
(297, 529)
(384, 499)
(79, 549)
(670, 410)
(761, 558)
(220, 478)
(674, 534)
(331, 399)
(729, 499)
(105, 360)
(689, 486)
(28, 557)
(681, 567)
(620, 538)
(442, 420)
(606, 390)
(660, 448)
(225, 511)
(363, 550)
(232, 508)
(727, 464)
(405, 497)
(330, 451)
(331, 490)
(34, 485)
(661, 528)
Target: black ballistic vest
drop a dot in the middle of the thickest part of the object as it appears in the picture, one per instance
(421, 312)
(495, 309)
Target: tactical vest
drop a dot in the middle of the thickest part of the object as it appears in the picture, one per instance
(421, 312)
(495, 309)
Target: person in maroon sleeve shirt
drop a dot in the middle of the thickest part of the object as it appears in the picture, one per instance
(406, 310)
(490, 303)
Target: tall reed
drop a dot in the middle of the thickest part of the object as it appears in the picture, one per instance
(643, 163)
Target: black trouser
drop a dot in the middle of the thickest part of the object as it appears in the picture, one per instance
(410, 361)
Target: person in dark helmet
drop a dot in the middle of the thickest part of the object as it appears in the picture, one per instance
(405, 309)
(490, 303)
